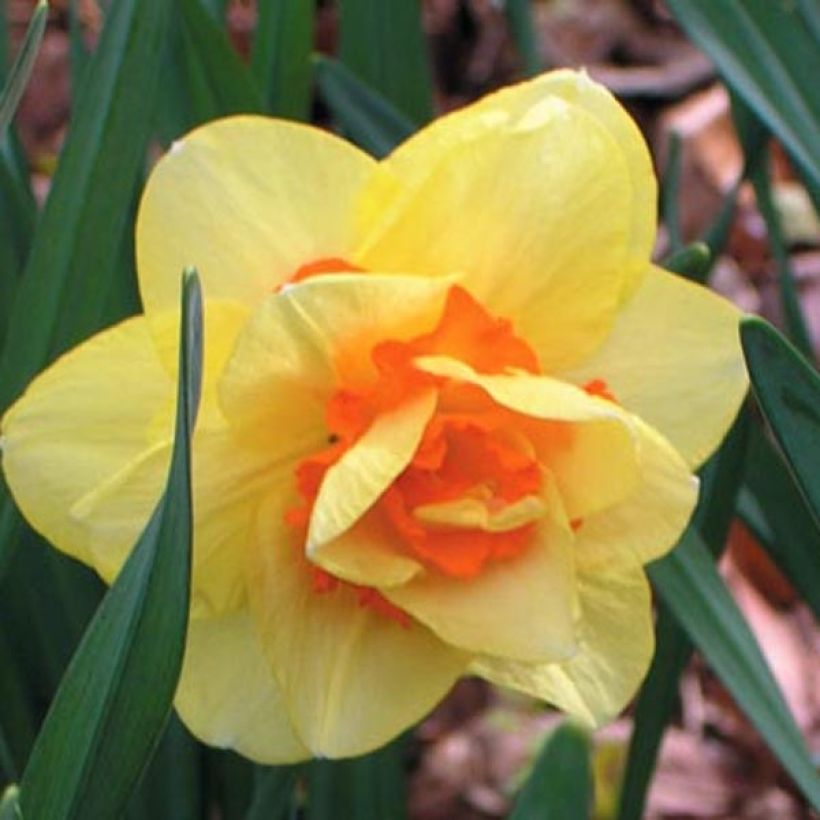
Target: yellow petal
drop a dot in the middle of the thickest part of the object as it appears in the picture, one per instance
(86, 454)
(227, 695)
(352, 679)
(648, 523)
(597, 466)
(616, 642)
(674, 359)
(407, 162)
(313, 337)
(532, 205)
(355, 482)
(247, 200)
(366, 554)
(81, 423)
(519, 608)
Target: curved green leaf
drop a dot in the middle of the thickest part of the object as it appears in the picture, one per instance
(280, 58)
(24, 62)
(560, 786)
(367, 117)
(691, 587)
(383, 44)
(116, 695)
(788, 392)
(767, 53)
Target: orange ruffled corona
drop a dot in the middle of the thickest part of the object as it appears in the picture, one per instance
(450, 410)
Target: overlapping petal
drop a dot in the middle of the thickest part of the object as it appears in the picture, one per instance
(247, 201)
(503, 192)
(345, 671)
(227, 695)
(674, 359)
(615, 645)
(521, 608)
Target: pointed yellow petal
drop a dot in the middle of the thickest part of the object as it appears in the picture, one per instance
(532, 204)
(227, 695)
(519, 608)
(616, 642)
(352, 678)
(79, 424)
(355, 482)
(648, 523)
(247, 200)
(674, 359)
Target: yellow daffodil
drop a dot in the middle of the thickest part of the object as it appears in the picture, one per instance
(449, 411)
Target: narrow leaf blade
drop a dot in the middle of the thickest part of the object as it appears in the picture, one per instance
(767, 54)
(369, 119)
(280, 57)
(788, 392)
(560, 786)
(383, 44)
(23, 64)
(116, 695)
(689, 584)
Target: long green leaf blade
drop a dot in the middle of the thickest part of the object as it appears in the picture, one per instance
(776, 513)
(560, 786)
(116, 695)
(383, 44)
(767, 54)
(229, 83)
(369, 119)
(689, 584)
(23, 64)
(788, 392)
(280, 58)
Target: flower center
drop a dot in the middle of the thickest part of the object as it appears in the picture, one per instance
(470, 495)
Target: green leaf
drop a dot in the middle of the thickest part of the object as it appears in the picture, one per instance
(274, 793)
(362, 788)
(24, 62)
(522, 28)
(17, 714)
(670, 192)
(383, 44)
(280, 58)
(788, 392)
(773, 509)
(560, 786)
(789, 299)
(768, 55)
(173, 782)
(62, 296)
(116, 695)
(691, 587)
(366, 116)
(215, 69)
(77, 50)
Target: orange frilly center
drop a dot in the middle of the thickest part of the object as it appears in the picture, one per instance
(470, 495)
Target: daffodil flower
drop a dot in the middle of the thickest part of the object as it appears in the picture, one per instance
(450, 409)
